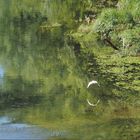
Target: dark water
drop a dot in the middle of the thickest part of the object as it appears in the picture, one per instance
(43, 89)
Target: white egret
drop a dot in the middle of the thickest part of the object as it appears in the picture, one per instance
(91, 104)
(92, 82)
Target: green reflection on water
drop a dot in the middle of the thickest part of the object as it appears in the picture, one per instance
(42, 83)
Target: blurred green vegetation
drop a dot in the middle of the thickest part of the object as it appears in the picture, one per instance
(44, 72)
(113, 39)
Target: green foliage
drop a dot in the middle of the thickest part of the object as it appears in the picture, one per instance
(106, 21)
(131, 40)
(121, 26)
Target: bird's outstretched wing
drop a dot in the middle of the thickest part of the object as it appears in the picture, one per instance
(92, 82)
(93, 104)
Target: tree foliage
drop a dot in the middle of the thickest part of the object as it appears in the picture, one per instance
(120, 25)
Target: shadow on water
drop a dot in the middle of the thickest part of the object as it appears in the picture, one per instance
(43, 88)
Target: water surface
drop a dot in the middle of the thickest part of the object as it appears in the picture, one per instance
(43, 89)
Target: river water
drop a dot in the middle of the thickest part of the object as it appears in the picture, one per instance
(43, 90)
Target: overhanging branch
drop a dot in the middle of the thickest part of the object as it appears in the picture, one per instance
(110, 43)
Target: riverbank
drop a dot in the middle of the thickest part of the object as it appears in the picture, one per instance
(120, 70)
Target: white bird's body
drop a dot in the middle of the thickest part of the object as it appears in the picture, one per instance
(93, 104)
(92, 82)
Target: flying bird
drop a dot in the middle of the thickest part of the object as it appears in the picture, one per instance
(91, 104)
(92, 82)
